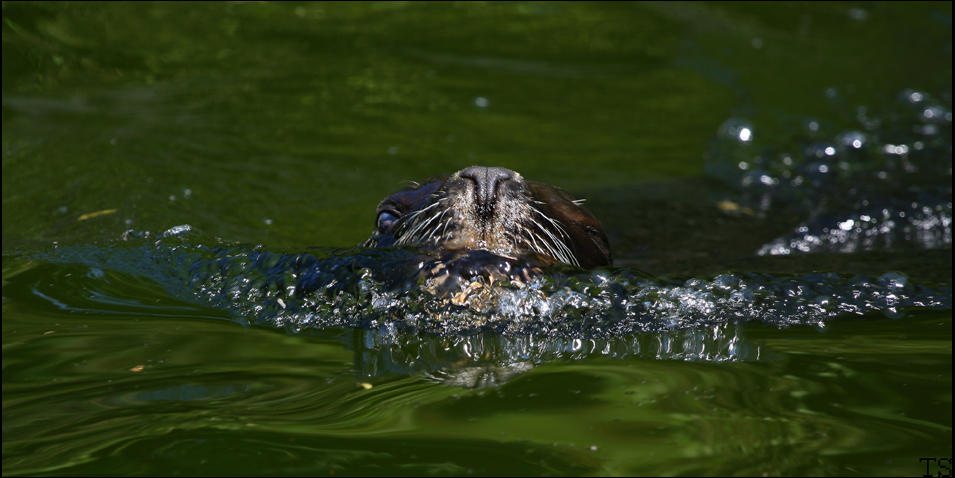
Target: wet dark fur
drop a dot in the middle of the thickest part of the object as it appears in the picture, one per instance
(493, 210)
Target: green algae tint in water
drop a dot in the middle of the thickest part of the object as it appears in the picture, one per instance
(283, 125)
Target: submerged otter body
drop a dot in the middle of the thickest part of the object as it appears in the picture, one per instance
(493, 211)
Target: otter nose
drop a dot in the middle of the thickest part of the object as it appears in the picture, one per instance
(486, 181)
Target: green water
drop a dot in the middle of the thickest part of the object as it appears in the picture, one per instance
(284, 125)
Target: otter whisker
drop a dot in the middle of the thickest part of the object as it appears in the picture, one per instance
(447, 223)
(410, 221)
(556, 246)
(561, 242)
(529, 236)
(448, 219)
(431, 231)
(414, 215)
(437, 226)
(416, 231)
(553, 222)
(547, 249)
(418, 226)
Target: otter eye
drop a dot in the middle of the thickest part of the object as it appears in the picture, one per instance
(386, 219)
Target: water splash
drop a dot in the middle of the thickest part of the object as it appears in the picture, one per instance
(476, 335)
(377, 289)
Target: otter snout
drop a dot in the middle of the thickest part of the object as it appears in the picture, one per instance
(487, 183)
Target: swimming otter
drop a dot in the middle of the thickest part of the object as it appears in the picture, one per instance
(492, 214)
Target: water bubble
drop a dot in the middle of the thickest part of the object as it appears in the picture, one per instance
(817, 168)
(755, 177)
(853, 139)
(820, 150)
(745, 134)
(913, 96)
(936, 114)
(736, 129)
(896, 149)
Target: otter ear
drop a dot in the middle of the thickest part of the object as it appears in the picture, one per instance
(600, 240)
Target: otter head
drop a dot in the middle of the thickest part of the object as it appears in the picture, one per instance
(493, 210)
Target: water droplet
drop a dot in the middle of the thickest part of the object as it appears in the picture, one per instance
(736, 129)
(745, 134)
